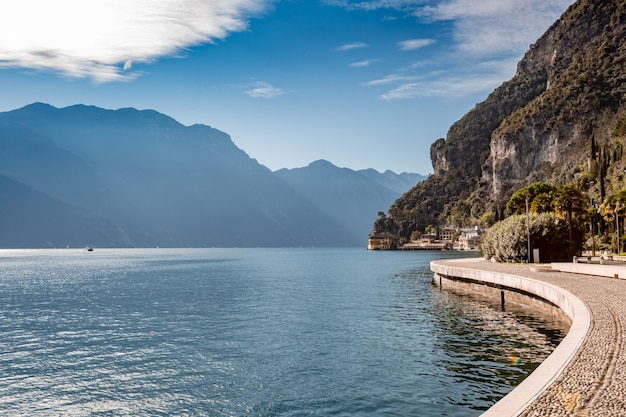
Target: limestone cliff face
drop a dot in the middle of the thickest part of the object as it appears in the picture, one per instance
(513, 162)
(561, 118)
(438, 156)
(582, 56)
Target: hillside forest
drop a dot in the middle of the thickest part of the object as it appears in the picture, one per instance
(560, 121)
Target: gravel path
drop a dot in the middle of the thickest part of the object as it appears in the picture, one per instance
(594, 383)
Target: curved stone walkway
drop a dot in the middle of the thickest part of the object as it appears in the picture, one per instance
(594, 383)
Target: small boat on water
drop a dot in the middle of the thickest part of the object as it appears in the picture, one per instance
(88, 249)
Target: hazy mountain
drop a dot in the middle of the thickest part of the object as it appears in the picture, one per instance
(161, 182)
(349, 197)
(33, 159)
(400, 183)
(561, 119)
(31, 219)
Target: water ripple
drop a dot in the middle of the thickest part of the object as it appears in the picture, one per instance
(251, 333)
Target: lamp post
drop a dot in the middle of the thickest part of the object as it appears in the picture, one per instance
(593, 240)
(527, 228)
(591, 221)
(617, 227)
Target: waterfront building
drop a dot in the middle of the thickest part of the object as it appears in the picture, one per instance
(382, 241)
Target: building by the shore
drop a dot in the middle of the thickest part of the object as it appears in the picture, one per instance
(469, 239)
(382, 241)
(444, 239)
(448, 238)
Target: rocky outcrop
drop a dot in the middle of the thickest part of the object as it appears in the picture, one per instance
(438, 156)
(581, 54)
(561, 119)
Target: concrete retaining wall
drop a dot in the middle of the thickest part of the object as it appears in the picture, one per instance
(509, 298)
(524, 394)
(602, 270)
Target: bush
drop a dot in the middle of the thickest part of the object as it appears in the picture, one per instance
(507, 240)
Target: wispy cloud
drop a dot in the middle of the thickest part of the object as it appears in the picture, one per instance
(264, 90)
(412, 44)
(445, 87)
(488, 38)
(481, 27)
(350, 46)
(365, 63)
(492, 27)
(446, 84)
(404, 91)
(403, 5)
(101, 39)
(391, 79)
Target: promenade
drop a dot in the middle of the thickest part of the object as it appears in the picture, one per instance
(591, 382)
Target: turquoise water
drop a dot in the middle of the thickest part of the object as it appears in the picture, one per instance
(252, 332)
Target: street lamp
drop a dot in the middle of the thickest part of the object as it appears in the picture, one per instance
(592, 220)
(617, 227)
(527, 228)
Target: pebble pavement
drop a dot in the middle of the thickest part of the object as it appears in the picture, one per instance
(594, 382)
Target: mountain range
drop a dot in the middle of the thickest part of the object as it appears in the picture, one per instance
(83, 175)
(560, 119)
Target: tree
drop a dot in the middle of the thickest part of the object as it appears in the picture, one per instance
(542, 203)
(540, 196)
(487, 220)
(507, 240)
(569, 202)
(613, 208)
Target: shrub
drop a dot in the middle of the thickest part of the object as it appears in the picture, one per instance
(507, 240)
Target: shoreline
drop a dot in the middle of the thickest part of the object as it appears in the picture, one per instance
(582, 376)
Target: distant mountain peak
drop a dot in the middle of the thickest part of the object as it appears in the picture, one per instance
(39, 104)
(321, 162)
(36, 107)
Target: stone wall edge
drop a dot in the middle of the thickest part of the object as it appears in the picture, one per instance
(522, 396)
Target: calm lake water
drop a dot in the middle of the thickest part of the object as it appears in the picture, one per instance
(252, 332)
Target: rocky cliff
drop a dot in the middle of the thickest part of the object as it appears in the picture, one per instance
(561, 118)
(583, 58)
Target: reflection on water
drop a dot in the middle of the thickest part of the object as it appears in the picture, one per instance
(489, 344)
(265, 332)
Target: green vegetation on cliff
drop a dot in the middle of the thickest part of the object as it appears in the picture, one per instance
(561, 119)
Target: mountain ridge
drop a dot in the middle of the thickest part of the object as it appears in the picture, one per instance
(159, 182)
(349, 197)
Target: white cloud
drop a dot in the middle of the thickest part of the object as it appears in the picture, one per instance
(390, 79)
(412, 44)
(485, 27)
(445, 87)
(264, 90)
(404, 91)
(361, 64)
(350, 46)
(488, 38)
(485, 76)
(402, 5)
(492, 27)
(97, 39)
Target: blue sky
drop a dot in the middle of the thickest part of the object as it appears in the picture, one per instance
(363, 84)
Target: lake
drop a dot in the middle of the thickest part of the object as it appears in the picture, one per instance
(253, 332)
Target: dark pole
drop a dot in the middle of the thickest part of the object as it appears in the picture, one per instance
(527, 229)
(617, 228)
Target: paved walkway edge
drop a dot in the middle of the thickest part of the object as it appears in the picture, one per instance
(514, 403)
